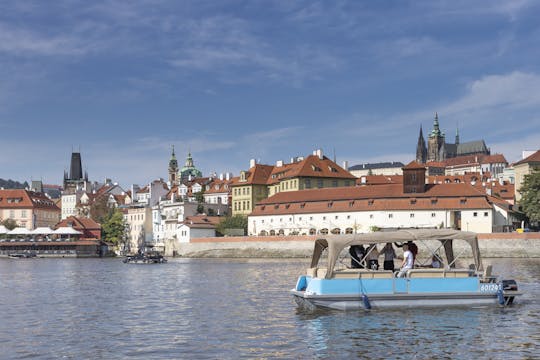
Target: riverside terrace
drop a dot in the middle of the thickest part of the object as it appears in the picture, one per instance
(57, 248)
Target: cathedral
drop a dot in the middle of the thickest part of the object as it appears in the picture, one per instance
(439, 150)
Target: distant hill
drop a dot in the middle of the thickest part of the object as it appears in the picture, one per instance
(11, 184)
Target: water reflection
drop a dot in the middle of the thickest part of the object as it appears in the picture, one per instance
(229, 309)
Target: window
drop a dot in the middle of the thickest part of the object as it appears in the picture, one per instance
(371, 216)
(348, 217)
(334, 183)
(330, 204)
(320, 183)
(390, 216)
(308, 184)
(433, 214)
(312, 231)
(486, 213)
(324, 217)
(475, 214)
(324, 231)
(337, 217)
(347, 183)
(411, 215)
(351, 203)
(336, 231)
(348, 230)
(370, 202)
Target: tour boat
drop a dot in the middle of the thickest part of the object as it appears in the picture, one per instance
(146, 258)
(331, 281)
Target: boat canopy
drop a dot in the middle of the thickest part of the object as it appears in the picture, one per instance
(336, 243)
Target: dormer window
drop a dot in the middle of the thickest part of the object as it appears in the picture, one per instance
(242, 176)
(330, 204)
(413, 201)
(370, 202)
(434, 201)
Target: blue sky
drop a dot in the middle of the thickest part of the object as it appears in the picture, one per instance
(234, 80)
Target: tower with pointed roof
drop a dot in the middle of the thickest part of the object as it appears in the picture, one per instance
(173, 169)
(75, 178)
(421, 150)
(436, 143)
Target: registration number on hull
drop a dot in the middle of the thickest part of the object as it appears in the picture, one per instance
(489, 287)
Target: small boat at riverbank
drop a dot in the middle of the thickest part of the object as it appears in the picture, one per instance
(339, 286)
(146, 256)
(22, 255)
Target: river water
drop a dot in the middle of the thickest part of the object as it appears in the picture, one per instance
(232, 309)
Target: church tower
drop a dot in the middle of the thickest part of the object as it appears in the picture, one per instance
(173, 169)
(436, 144)
(421, 150)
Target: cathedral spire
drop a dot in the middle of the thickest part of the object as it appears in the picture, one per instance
(421, 150)
(436, 130)
(457, 135)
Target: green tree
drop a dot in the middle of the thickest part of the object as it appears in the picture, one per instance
(530, 196)
(232, 222)
(10, 224)
(199, 196)
(113, 227)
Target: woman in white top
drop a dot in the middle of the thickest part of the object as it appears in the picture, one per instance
(408, 261)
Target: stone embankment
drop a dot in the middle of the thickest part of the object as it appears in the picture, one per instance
(496, 245)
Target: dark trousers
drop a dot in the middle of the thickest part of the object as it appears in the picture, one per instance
(389, 265)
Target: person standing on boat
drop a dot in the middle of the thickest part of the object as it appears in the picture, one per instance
(408, 261)
(373, 257)
(389, 256)
(357, 253)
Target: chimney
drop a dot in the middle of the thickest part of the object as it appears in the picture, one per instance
(279, 163)
(346, 165)
(363, 180)
(319, 153)
(228, 176)
(221, 176)
(252, 163)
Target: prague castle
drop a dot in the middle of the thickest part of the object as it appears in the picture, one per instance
(439, 150)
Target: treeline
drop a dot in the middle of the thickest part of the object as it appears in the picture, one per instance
(11, 184)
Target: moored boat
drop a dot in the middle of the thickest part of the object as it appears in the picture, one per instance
(339, 286)
(146, 256)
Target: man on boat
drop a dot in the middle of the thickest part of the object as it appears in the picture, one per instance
(408, 261)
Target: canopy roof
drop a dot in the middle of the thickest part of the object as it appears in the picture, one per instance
(336, 243)
(43, 231)
(19, 231)
(67, 231)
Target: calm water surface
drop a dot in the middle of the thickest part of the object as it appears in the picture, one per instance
(230, 309)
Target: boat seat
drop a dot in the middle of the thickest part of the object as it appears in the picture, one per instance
(312, 272)
(362, 274)
(425, 273)
(458, 273)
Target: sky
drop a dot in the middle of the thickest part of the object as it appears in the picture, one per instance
(230, 81)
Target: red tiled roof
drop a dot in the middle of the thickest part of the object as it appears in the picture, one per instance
(380, 197)
(78, 223)
(414, 165)
(311, 166)
(379, 179)
(531, 158)
(202, 221)
(25, 199)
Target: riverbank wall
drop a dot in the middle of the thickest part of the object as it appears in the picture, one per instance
(496, 245)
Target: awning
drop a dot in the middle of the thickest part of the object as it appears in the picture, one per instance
(336, 243)
(19, 231)
(67, 231)
(45, 230)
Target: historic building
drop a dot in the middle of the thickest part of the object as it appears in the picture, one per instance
(360, 209)
(173, 170)
(28, 209)
(524, 167)
(439, 150)
(75, 179)
(189, 171)
(261, 181)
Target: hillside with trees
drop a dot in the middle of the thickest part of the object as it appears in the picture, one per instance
(11, 184)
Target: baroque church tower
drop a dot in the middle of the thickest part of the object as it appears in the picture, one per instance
(173, 169)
